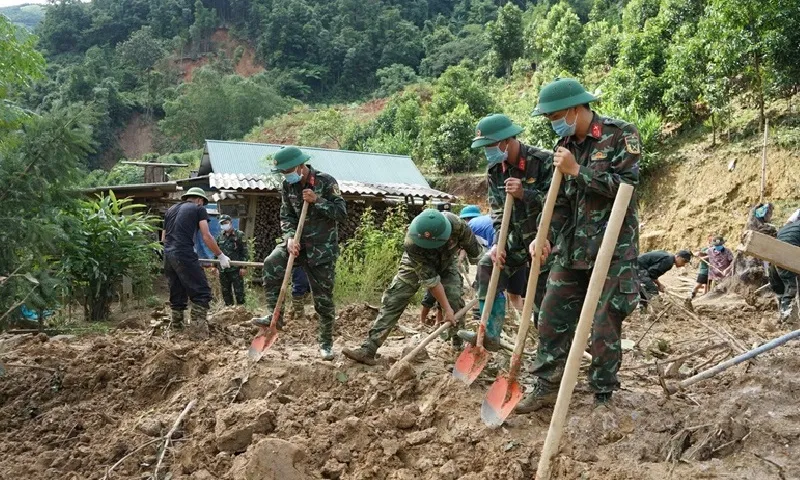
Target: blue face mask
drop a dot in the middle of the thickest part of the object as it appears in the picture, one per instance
(292, 178)
(562, 128)
(718, 247)
(494, 155)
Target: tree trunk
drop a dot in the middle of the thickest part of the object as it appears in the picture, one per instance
(757, 65)
(713, 130)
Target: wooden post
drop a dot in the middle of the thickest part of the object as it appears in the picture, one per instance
(764, 160)
(250, 221)
(776, 252)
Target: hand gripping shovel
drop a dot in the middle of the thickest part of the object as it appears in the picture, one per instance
(267, 336)
(401, 364)
(583, 329)
(505, 392)
(472, 360)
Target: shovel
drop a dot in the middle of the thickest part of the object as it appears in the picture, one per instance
(401, 364)
(473, 359)
(268, 335)
(506, 392)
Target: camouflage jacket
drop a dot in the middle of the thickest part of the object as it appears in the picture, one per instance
(234, 246)
(320, 239)
(608, 156)
(428, 263)
(535, 169)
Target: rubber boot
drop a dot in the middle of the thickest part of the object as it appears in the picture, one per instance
(298, 308)
(603, 399)
(176, 320)
(266, 320)
(362, 354)
(199, 321)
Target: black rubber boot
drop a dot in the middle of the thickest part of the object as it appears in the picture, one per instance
(361, 354)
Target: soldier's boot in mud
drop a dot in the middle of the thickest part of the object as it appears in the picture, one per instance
(326, 353)
(266, 320)
(540, 397)
(176, 320)
(494, 326)
(199, 322)
(603, 399)
(362, 354)
(298, 310)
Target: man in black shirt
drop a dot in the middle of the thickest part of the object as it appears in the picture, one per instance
(181, 264)
(654, 264)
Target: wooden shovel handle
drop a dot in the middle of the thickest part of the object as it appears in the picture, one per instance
(533, 275)
(491, 291)
(595, 288)
(287, 276)
(444, 326)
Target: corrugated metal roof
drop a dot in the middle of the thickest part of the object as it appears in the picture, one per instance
(250, 158)
(270, 183)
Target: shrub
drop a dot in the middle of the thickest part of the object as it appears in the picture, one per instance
(369, 260)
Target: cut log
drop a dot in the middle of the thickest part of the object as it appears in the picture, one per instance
(776, 252)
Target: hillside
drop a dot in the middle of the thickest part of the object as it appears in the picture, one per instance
(27, 16)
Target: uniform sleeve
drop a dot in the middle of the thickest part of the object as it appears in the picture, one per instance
(468, 242)
(330, 203)
(496, 197)
(245, 251)
(428, 277)
(288, 215)
(535, 193)
(624, 166)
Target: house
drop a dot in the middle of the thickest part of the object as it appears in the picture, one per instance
(238, 177)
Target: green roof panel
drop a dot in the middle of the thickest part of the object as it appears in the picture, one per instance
(250, 158)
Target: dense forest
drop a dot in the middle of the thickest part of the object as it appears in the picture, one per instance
(442, 63)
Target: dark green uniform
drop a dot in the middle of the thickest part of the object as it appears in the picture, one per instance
(608, 156)
(535, 169)
(319, 245)
(423, 267)
(233, 244)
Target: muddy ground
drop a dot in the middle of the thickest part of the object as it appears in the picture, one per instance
(94, 402)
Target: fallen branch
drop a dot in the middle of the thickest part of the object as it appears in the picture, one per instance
(658, 317)
(137, 449)
(169, 434)
(727, 338)
(682, 357)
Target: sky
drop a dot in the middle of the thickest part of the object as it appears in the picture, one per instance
(10, 3)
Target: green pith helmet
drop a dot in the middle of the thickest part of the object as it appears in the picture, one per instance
(561, 94)
(195, 192)
(225, 218)
(288, 157)
(430, 229)
(470, 211)
(494, 128)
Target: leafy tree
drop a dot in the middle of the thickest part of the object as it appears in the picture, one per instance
(63, 26)
(142, 50)
(219, 107)
(506, 35)
(326, 128)
(559, 40)
(109, 239)
(20, 63)
(393, 78)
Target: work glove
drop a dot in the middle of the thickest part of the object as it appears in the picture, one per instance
(224, 261)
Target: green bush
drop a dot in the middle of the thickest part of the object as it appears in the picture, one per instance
(369, 260)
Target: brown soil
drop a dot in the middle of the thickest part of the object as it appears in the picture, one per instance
(294, 416)
(136, 138)
(221, 40)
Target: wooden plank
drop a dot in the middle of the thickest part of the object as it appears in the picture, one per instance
(776, 252)
(250, 221)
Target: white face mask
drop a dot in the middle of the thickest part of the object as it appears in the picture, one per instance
(226, 226)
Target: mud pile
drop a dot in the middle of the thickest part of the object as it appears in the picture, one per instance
(103, 401)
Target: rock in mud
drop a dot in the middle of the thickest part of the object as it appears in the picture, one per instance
(237, 424)
(449, 471)
(422, 355)
(423, 436)
(274, 459)
(333, 469)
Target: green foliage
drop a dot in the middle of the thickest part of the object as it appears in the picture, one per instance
(220, 107)
(649, 126)
(326, 128)
(109, 239)
(369, 260)
(142, 50)
(26, 16)
(393, 78)
(20, 63)
(506, 35)
(559, 40)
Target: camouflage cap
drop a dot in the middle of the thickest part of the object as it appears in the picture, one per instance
(494, 128)
(430, 229)
(561, 94)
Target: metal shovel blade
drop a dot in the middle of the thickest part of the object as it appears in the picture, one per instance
(266, 338)
(501, 399)
(470, 363)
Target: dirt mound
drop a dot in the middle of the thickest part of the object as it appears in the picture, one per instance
(95, 401)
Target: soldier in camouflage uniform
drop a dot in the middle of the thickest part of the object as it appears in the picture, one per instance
(430, 260)
(524, 172)
(232, 242)
(596, 155)
(319, 244)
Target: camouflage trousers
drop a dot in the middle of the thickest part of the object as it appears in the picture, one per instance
(785, 285)
(397, 297)
(320, 277)
(561, 308)
(232, 284)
